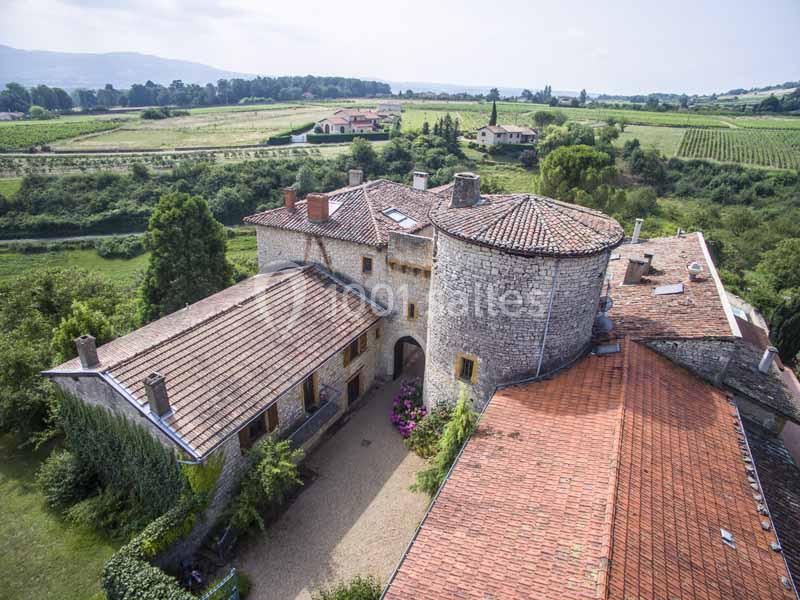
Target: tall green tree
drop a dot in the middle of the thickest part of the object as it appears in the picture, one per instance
(493, 116)
(187, 261)
(785, 331)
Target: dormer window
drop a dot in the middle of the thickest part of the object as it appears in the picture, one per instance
(403, 220)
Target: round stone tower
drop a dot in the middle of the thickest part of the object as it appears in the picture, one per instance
(514, 290)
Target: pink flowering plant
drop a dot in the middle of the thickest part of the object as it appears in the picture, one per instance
(407, 408)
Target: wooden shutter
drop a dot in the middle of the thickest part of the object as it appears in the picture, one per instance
(272, 418)
(244, 438)
(346, 356)
(362, 343)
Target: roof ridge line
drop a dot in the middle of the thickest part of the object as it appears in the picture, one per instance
(611, 501)
(209, 318)
(371, 212)
(501, 216)
(563, 211)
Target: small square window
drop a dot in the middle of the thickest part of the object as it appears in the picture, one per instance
(466, 368)
(366, 264)
(412, 310)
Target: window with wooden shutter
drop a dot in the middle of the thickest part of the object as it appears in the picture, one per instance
(362, 343)
(272, 418)
(346, 358)
(244, 439)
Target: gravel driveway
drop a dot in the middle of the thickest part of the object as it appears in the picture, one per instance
(355, 518)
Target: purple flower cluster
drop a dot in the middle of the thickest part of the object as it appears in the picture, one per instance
(407, 409)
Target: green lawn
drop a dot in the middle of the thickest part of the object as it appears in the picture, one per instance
(41, 557)
(125, 272)
(665, 139)
(9, 187)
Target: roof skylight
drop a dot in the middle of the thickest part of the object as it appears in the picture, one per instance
(399, 218)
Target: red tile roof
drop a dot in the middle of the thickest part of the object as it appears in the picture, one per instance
(702, 310)
(360, 218)
(528, 224)
(610, 480)
(228, 357)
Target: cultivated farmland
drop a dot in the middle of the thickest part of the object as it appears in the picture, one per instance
(768, 148)
(19, 135)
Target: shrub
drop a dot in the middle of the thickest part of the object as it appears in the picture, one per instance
(63, 480)
(272, 477)
(424, 438)
(358, 588)
(407, 408)
(456, 433)
(119, 246)
(109, 512)
(328, 138)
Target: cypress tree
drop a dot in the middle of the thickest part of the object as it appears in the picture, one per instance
(493, 117)
(785, 332)
(187, 261)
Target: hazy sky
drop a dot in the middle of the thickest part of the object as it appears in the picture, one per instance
(613, 46)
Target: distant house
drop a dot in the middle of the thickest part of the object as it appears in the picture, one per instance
(494, 135)
(350, 120)
(11, 116)
(390, 108)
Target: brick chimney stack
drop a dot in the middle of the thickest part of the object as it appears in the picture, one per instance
(289, 198)
(87, 351)
(356, 177)
(317, 207)
(466, 190)
(637, 268)
(155, 386)
(637, 229)
(420, 180)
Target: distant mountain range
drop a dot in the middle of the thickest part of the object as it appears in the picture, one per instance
(70, 70)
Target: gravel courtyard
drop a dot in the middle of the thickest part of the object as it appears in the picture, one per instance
(356, 518)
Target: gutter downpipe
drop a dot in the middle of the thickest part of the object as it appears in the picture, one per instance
(549, 313)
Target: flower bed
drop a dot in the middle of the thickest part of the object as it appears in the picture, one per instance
(407, 408)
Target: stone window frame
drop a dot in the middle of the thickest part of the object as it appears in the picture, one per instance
(367, 260)
(264, 424)
(354, 349)
(458, 368)
(412, 312)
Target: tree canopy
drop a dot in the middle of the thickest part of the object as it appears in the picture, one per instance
(187, 261)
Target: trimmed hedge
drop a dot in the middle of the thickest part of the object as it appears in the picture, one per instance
(281, 140)
(296, 130)
(328, 138)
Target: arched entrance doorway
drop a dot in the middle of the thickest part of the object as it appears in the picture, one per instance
(409, 358)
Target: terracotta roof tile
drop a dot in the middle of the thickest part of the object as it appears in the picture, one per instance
(528, 224)
(360, 218)
(610, 480)
(702, 310)
(226, 358)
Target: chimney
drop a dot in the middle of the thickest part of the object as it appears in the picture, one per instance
(636, 269)
(679, 233)
(637, 229)
(317, 205)
(289, 198)
(87, 351)
(155, 386)
(766, 360)
(356, 177)
(466, 190)
(648, 256)
(420, 180)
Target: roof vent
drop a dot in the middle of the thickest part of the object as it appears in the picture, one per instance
(356, 177)
(694, 270)
(420, 180)
(466, 190)
(317, 205)
(604, 349)
(87, 351)
(636, 269)
(679, 233)
(727, 537)
(637, 229)
(155, 386)
(766, 360)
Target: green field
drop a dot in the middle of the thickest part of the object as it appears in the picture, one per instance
(766, 148)
(212, 127)
(21, 135)
(473, 114)
(665, 139)
(9, 187)
(48, 559)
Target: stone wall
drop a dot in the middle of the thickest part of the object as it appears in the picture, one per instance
(706, 357)
(493, 306)
(400, 275)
